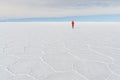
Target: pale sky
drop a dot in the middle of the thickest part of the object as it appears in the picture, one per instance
(51, 8)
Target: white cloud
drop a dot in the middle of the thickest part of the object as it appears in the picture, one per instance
(44, 8)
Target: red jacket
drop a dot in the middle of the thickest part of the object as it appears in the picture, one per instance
(72, 22)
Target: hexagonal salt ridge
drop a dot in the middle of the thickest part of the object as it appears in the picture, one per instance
(4, 75)
(92, 70)
(60, 61)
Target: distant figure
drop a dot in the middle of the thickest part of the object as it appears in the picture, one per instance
(73, 24)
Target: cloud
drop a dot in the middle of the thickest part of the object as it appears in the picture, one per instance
(65, 3)
(40, 8)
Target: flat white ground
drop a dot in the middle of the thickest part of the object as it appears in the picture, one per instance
(55, 51)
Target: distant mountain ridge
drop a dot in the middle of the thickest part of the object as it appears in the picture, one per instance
(64, 19)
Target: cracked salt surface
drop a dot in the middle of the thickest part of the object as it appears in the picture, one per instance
(92, 70)
(65, 76)
(55, 51)
(5, 75)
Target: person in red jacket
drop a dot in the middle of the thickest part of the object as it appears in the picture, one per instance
(73, 24)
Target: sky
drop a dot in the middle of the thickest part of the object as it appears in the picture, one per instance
(58, 8)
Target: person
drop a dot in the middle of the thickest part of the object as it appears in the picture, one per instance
(73, 24)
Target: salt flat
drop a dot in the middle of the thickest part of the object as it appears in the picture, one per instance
(55, 51)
